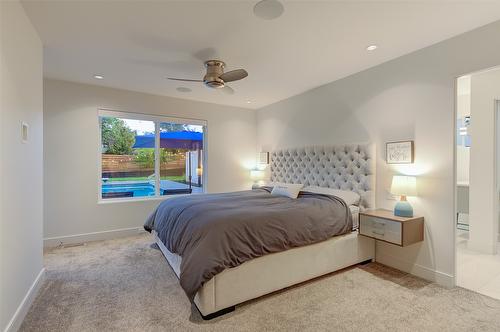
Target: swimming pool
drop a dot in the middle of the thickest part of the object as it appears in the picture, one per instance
(138, 189)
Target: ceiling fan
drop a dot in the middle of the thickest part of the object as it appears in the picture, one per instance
(216, 78)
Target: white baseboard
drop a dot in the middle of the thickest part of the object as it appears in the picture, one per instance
(423, 272)
(94, 236)
(23, 308)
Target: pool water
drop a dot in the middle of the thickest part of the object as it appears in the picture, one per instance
(139, 189)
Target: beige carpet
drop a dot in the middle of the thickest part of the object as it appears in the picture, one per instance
(126, 285)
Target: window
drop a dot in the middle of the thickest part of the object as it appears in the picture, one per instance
(149, 156)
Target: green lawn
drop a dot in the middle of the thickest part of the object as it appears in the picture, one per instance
(176, 178)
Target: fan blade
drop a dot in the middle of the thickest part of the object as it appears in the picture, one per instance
(234, 75)
(184, 80)
(227, 90)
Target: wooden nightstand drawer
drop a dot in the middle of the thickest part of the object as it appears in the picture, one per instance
(383, 225)
(381, 229)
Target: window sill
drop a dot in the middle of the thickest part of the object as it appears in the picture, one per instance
(144, 199)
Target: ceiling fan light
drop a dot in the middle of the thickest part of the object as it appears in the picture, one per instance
(214, 84)
(215, 78)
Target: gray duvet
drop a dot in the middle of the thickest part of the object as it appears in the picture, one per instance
(213, 232)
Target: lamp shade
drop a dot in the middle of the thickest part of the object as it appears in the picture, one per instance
(404, 185)
(256, 174)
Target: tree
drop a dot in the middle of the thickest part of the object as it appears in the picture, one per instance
(146, 157)
(117, 138)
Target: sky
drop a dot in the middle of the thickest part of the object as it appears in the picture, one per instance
(142, 127)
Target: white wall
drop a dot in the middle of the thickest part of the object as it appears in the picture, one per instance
(483, 194)
(71, 153)
(463, 96)
(411, 97)
(20, 164)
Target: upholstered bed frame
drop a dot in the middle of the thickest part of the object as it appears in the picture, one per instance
(347, 167)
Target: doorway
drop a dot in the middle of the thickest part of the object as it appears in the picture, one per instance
(477, 188)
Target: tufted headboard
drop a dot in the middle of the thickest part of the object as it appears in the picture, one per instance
(347, 167)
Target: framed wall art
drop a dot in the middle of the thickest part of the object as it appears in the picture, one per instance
(402, 152)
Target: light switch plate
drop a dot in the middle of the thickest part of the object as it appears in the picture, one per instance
(24, 132)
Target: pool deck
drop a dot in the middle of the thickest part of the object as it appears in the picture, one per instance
(167, 184)
(164, 185)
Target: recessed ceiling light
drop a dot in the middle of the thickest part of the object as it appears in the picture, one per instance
(249, 101)
(183, 89)
(98, 77)
(371, 48)
(268, 9)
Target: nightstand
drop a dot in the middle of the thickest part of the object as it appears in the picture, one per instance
(383, 225)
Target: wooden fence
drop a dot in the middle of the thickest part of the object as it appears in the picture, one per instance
(127, 164)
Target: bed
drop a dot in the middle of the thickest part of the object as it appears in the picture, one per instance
(347, 167)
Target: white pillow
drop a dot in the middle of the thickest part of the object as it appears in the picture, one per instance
(286, 189)
(350, 197)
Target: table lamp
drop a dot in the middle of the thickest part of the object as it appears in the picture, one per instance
(256, 175)
(403, 186)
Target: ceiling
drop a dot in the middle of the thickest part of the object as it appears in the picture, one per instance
(135, 45)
